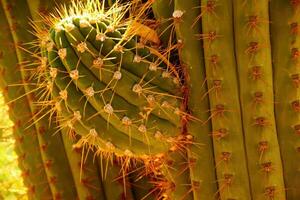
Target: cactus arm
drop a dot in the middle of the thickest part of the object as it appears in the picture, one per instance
(285, 45)
(57, 178)
(27, 146)
(252, 42)
(230, 157)
(202, 175)
(85, 173)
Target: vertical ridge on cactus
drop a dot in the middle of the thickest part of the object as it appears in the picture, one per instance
(200, 158)
(27, 148)
(57, 170)
(285, 44)
(253, 54)
(227, 130)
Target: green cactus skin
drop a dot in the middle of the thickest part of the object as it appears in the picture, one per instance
(162, 10)
(142, 187)
(201, 160)
(115, 181)
(285, 45)
(140, 69)
(230, 157)
(123, 87)
(253, 54)
(57, 170)
(85, 173)
(121, 144)
(27, 146)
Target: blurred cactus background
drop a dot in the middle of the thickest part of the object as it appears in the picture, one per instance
(11, 181)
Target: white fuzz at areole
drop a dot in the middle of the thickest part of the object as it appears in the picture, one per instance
(53, 72)
(63, 94)
(152, 67)
(81, 47)
(90, 91)
(137, 88)
(137, 59)
(177, 14)
(62, 53)
(74, 74)
(98, 62)
(108, 109)
(126, 121)
(77, 115)
(93, 132)
(100, 37)
(117, 75)
(142, 128)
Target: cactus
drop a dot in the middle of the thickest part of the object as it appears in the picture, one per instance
(254, 53)
(176, 96)
(225, 114)
(285, 58)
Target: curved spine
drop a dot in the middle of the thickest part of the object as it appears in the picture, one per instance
(115, 180)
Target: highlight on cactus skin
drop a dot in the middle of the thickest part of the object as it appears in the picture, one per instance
(154, 99)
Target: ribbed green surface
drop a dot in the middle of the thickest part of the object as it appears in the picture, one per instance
(56, 168)
(253, 53)
(225, 114)
(200, 155)
(285, 43)
(27, 144)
